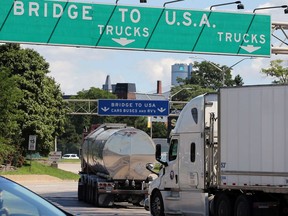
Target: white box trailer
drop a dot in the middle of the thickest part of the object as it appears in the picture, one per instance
(228, 156)
(253, 136)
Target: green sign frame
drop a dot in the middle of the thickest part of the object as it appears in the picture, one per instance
(81, 24)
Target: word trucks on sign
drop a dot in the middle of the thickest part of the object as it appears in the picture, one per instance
(133, 107)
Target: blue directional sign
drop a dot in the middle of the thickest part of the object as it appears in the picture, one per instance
(133, 107)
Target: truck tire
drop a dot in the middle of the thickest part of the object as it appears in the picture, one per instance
(223, 205)
(86, 192)
(96, 196)
(90, 193)
(80, 190)
(243, 206)
(157, 206)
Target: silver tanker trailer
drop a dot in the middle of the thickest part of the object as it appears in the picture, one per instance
(113, 162)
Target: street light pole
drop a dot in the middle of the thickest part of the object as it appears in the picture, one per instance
(171, 96)
(211, 63)
(239, 5)
(280, 6)
(175, 111)
(169, 2)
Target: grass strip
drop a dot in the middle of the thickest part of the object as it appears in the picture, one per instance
(41, 168)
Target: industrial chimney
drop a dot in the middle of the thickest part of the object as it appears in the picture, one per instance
(159, 87)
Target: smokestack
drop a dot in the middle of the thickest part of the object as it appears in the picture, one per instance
(159, 87)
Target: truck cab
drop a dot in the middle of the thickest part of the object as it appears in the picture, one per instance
(227, 156)
(193, 138)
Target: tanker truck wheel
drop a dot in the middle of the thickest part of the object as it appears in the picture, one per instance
(223, 205)
(157, 206)
(95, 196)
(86, 192)
(80, 190)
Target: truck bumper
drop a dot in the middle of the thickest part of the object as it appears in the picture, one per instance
(137, 192)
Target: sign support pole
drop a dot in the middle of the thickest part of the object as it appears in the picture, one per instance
(30, 161)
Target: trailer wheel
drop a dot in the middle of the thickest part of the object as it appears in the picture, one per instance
(88, 192)
(96, 196)
(80, 190)
(243, 206)
(85, 191)
(157, 206)
(223, 205)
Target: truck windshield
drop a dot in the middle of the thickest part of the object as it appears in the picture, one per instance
(173, 150)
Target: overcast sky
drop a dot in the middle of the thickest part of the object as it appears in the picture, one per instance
(76, 69)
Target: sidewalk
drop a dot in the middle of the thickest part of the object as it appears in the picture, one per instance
(32, 178)
(47, 186)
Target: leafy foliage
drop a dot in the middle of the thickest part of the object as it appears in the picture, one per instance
(213, 76)
(187, 92)
(238, 80)
(40, 109)
(94, 93)
(278, 71)
(10, 95)
(69, 141)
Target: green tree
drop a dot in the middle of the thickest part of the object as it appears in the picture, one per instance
(41, 108)
(69, 141)
(187, 92)
(87, 121)
(238, 80)
(277, 71)
(10, 95)
(208, 76)
(94, 93)
(159, 130)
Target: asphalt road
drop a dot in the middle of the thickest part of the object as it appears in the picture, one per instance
(71, 167)
(64, 195)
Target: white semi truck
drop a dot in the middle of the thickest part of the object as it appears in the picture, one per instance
(228, 156)
(113, 161)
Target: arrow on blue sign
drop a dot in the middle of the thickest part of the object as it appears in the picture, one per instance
(105, 109)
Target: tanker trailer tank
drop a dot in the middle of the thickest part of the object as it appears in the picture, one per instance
(114, 159)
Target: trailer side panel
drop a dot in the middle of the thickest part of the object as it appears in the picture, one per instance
(253, 126)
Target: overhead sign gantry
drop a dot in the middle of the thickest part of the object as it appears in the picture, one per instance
(81, 24)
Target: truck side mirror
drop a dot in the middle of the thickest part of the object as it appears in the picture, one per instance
(150, 167)
(158, 155)
(158, 152)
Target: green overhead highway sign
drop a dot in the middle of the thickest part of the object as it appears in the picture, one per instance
(83, 24)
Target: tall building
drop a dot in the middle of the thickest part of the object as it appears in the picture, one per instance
(125, 90)
(182, 71)
(107, 86)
